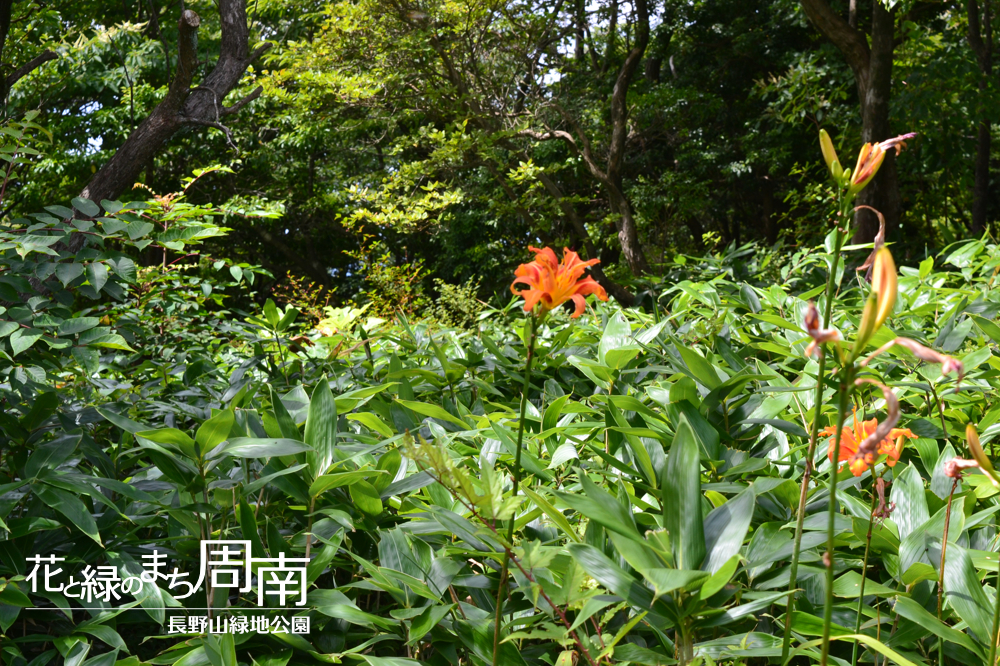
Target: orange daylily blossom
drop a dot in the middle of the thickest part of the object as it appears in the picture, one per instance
(870, 159)
(850, 438)
(551, 283)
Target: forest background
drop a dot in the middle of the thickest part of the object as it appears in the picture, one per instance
(415, 148)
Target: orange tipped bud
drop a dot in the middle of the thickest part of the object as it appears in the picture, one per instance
(884, 284)
(869, 160)
(976, 449)
(881, 299)
(830, 155)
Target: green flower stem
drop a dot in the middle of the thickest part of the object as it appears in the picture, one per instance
(831, 282)
(864, 576)
(844, 398)
(944, 549)
(996, 622)
(532, 330)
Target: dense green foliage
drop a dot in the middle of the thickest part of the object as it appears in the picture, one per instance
(311, 345)
(662, 458)
(408, 144)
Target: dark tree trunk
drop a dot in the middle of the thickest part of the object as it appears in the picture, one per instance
(183, 105)
(981, 189)
(882, 193)
(628, 232)
(617, 291)
(980, 38)
(609, 49)
(872, 68)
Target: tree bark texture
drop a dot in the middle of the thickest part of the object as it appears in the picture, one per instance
(183, 104)
(980, 37)
(872, 68)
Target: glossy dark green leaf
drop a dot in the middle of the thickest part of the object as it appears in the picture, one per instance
(725, 529)
(321, 429)
(69, 506)
(682, 499)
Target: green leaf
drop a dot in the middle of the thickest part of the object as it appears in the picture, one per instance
(699, 367)
(554, 514)
(78, 325)
(964, 592)
(321, 429)
(125, 423)
(178, 439)
(366, 498)
(426, 621)
(987, 327)
(875, 645)
(617, 335)
(371, 421)
(432, 411)
(97, 275)
(601, 507)
(667, 580)
(725, 529)
(214, 431)
(50, 455)
(720, 578)
(86, 206)
(331, 481)
(849, 587)
(610, 575)
(23, 338)
(682, 499)
(907, 492)
(335, 603)
(271, 313)
(69, 272)
(254, 447)
(917, 614)
(69, 506)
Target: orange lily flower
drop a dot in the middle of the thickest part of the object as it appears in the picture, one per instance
(551, 283)
(850, 438)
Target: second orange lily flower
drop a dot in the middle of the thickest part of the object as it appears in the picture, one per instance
(850, 438)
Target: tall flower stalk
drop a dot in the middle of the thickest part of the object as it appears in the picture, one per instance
(848, 185)
(550, 283)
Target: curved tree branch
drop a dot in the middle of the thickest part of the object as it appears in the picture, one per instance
(179, 108)
(29, 67)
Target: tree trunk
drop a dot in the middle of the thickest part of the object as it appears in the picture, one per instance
(882, 193)
(617, 291)
(628, 233)
(980, 36)
(872, 68)
(981, 189)
(183, 105)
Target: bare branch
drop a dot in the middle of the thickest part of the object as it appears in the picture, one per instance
(216, 125)
(227, 110)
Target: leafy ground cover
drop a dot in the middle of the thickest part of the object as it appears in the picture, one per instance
(651, 501)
